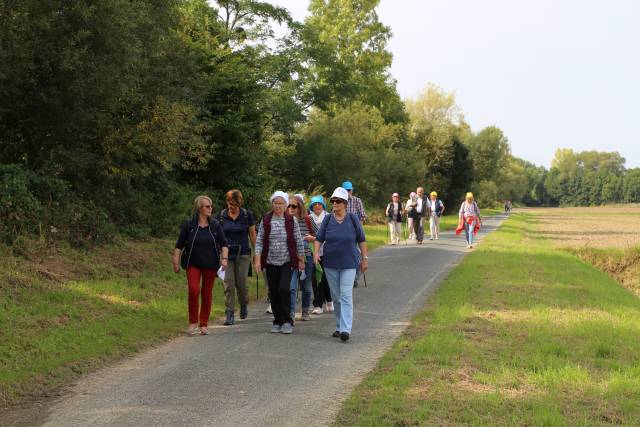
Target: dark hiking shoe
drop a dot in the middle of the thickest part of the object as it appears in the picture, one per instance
(230, 318)
(243, 312)
(344, 336)
(336, 334)
(305, 315)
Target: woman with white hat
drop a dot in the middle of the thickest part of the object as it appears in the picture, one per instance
(342, 234)
(394, 218)
(279, 250)
(469, 218)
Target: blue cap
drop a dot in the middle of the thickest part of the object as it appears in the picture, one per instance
(347, 185)
(317, 199)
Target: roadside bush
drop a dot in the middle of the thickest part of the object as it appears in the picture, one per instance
(486, 194)
(20, 208)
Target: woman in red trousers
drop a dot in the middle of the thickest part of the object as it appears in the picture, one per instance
(201, 249)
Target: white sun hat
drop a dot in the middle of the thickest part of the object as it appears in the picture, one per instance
(281, 194)
(340, 193)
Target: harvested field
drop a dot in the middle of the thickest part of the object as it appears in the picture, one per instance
(606, 237)
(597, 227)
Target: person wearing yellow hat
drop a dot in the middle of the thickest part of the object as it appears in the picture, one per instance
(469, 218)
(437, 209)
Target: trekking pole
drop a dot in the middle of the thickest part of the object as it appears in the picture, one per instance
(257, 293)
(365, 279)
(404, 228)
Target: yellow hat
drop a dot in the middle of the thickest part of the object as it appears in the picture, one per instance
(469, 195)
(433, 193)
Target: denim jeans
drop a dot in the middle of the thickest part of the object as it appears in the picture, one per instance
(468, 231)
(305, 284)
(341, 285)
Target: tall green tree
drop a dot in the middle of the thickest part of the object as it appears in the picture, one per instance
(436, 129)
(490, 153)
(354, 143)
(631, 186)
(348, 61)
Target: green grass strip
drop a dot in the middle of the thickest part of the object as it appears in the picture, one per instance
(519, 333)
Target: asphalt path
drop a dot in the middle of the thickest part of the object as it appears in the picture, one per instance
(246, 376)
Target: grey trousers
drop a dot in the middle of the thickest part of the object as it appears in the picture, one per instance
(235, 280)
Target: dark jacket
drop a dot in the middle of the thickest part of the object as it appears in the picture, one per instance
(390, 212)
(426, 209)
(188, 232)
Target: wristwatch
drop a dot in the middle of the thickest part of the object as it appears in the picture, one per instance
(365, 257)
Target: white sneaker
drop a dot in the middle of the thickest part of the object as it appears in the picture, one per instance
(193, 329)
(204, 330)
(329, 307)
(269, 309)
(316, 310)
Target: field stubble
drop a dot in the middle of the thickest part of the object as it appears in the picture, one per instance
(606, 237)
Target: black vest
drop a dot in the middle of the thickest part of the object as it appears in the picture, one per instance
(390, 212)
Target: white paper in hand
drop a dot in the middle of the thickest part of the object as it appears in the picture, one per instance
(221, 272)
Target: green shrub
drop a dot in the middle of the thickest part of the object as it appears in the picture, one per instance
(20, 208)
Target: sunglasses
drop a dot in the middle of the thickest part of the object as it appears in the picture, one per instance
(293, 206)
(337, 201)
(207, 206)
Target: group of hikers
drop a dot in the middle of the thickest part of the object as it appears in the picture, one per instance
(295, 247)
(417, 209)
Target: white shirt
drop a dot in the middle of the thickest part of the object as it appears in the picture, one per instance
(419, 208)
(432, 203)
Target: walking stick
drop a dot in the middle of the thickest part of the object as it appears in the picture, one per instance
(404, 228)
(257, 293)
(365, 279)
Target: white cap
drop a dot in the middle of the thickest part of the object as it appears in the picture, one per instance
(282, 194)
(395, 195)
(340, 193)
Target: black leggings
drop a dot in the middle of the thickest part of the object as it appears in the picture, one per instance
(321, 292)
(278, 280)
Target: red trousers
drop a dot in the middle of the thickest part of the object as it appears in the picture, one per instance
(193, 280)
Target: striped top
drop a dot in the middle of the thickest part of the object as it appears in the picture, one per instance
(304, 230)
(278, 251)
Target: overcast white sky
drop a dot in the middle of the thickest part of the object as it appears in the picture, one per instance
(549, 73)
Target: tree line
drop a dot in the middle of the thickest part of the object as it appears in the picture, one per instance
(115, 114)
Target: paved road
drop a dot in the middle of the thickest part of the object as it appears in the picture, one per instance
(246, 376)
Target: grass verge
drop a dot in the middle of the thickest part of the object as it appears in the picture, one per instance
(622, 264)
(520, 333)
(64, 312)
